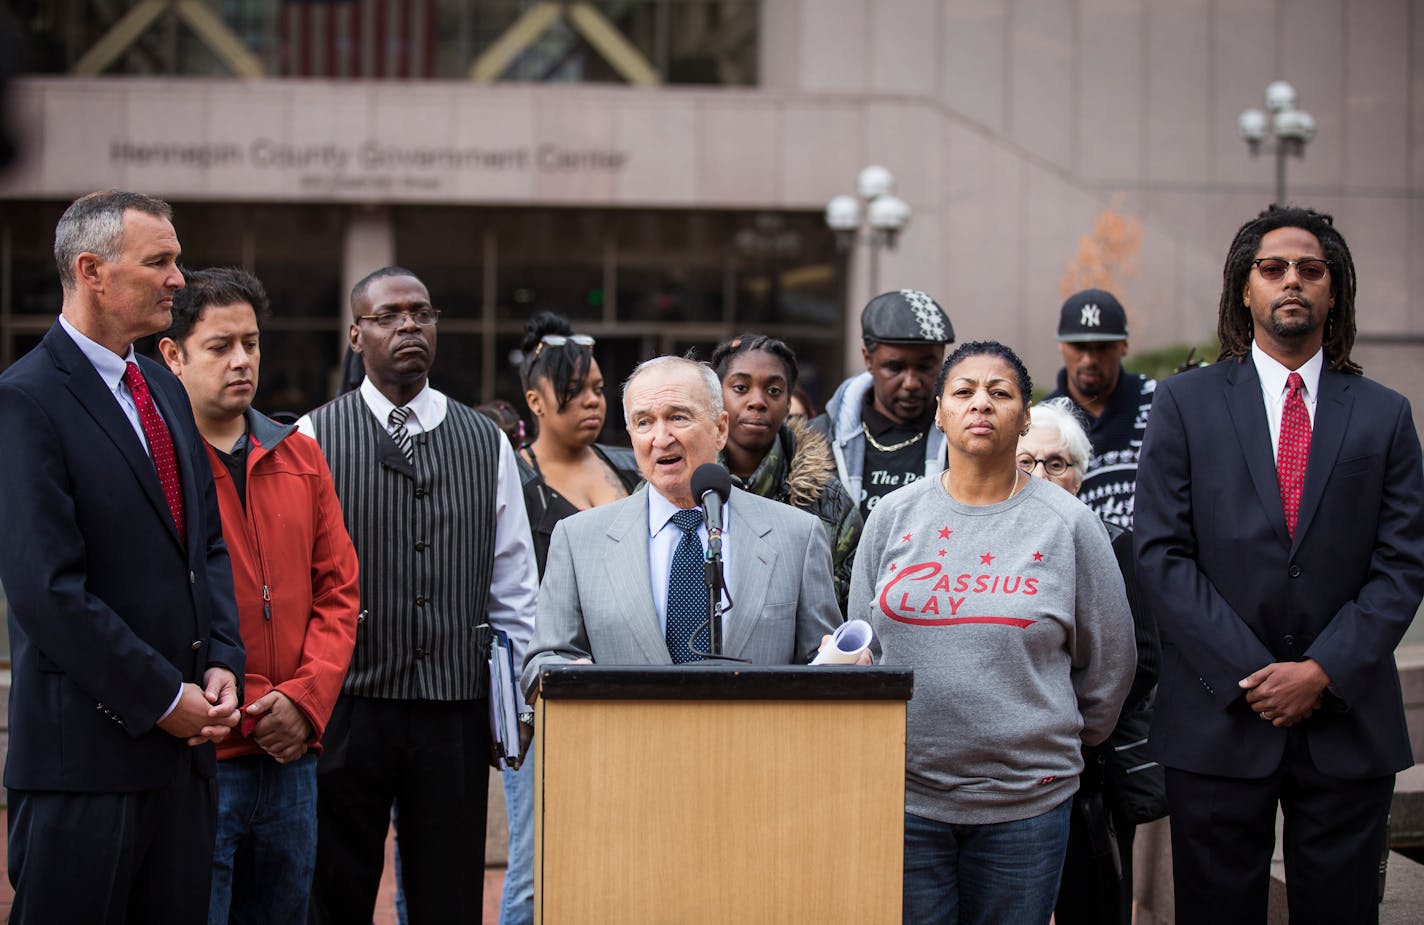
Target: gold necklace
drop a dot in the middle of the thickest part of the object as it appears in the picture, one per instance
(894, 446)
(1013, 489)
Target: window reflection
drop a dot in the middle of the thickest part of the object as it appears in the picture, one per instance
(681, 41)
(643, 282)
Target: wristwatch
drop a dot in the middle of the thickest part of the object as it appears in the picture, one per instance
(527, 717)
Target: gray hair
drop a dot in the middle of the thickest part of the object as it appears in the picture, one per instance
(706, 372)
(1060, 415)
(94, 224)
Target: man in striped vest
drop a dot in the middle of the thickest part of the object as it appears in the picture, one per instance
(431, 497)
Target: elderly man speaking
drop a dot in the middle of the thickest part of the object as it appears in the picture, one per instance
(613, 592)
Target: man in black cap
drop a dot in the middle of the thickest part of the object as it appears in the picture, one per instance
(1092, 337)
(880, 422)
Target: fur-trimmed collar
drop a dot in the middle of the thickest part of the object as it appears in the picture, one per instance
(811, 464)
(796, 468)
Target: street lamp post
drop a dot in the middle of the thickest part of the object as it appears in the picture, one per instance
(1290, 128)
(884, 216)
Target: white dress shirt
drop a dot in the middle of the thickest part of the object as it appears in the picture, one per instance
(1273, 378)
(111, 368)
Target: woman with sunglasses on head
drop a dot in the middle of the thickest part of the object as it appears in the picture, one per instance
(567, 471)
(1120, 787)
(772, 455)
(1002, 594)
(563, 471)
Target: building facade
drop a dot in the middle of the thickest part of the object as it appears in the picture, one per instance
(658, 169)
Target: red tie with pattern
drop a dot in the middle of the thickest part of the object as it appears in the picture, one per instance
(1293, 450)
(160, 444)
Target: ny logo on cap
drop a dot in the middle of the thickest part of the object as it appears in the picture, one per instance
(1091, 316)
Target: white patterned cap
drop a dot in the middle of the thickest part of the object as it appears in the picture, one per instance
(907, 316)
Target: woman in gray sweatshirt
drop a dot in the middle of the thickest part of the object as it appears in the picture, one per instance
(1003, 594)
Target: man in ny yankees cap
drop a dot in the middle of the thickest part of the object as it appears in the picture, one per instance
(880, 422)
(1092, 337)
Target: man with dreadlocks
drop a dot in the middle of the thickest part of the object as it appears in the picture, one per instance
(1280, 542)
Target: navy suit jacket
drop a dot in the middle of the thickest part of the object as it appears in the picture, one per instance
(109, 612)
(1233, 592)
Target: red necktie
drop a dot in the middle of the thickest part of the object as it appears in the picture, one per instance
(160, 444)
(1293, 450)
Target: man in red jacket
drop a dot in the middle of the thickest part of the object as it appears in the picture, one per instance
(294, 575)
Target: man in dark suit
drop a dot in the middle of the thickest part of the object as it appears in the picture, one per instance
(1280, 541)
(124, 639)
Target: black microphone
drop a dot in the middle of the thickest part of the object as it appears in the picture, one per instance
(711, 486)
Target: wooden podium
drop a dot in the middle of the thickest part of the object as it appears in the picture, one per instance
(719, 793)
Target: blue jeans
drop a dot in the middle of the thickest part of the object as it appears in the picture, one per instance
(516, 906)
(402, 916)
(266, 841)
(1003, 873)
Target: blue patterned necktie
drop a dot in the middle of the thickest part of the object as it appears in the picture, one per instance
(687, 591)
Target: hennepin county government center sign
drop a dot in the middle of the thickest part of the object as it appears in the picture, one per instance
(369, 163)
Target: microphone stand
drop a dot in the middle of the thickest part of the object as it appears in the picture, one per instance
(715, 584)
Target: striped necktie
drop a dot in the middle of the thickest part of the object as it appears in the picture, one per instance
(401, 434)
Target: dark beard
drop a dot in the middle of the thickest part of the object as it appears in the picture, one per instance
(1289, 329)
(1107, 382)
(1097, 391)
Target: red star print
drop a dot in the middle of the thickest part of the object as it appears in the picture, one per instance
(942, 552)
(944, 533)
(893, 566)
(906, 537)
(1038, 557)
(986, 559)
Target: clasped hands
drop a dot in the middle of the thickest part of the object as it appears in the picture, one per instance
(207, 713)
(278, 727)
(1286, 693)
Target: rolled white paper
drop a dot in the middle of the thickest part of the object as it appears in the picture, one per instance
(847, 642)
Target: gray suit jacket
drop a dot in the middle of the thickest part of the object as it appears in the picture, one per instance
(595, 601)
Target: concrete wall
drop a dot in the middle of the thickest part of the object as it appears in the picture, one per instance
(1011, 126)
(1048, 112)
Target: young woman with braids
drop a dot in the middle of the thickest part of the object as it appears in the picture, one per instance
(563, 472)
(777, 458)
(567, 471)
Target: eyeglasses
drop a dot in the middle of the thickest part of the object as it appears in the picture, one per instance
(558, 340)
(425, 317)
(1309, 269)
(1053, 465)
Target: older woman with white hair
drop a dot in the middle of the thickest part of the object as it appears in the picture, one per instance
(1127, 787)
(1056, 446)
